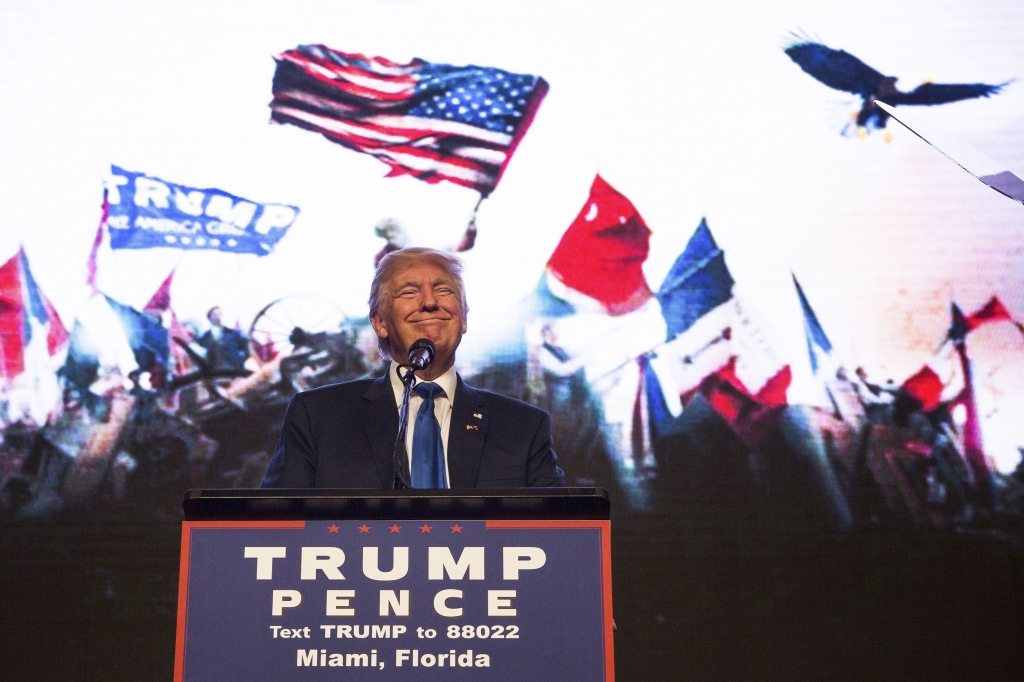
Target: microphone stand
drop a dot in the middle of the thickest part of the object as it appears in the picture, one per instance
(400, 455)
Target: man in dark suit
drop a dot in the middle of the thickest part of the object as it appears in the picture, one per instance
(343, 435)
(226, 348)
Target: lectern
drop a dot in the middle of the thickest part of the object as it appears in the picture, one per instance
(414, 585)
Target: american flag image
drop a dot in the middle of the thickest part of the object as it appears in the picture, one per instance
(432, 121)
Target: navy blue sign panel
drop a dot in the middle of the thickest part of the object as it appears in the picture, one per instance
(395, 600)
(147, 212)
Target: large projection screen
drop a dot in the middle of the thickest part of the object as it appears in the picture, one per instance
(782, 329)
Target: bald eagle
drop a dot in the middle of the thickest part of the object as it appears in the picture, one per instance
(840, 70)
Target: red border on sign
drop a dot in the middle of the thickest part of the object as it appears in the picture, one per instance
(606, 575)
(183, 570)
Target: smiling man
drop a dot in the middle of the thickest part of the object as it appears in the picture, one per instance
(343, 435)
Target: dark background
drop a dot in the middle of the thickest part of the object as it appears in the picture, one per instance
(715, 586)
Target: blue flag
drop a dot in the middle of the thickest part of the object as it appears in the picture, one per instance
(146, 336)
(146, 212)
(816, 339)
(698, 282)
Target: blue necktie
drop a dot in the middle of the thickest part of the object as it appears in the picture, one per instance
(427, 449)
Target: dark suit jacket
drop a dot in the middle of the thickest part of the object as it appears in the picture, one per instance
(230, 351)
(343, 436)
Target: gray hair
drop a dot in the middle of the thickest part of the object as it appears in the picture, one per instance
(396, 261)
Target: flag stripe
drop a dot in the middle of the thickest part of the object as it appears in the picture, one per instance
(409, 160)
(362, 78)
(412, 123)
(367, 139)
(290, 78)
(380, 65)
(356, 81)
(401, 129)
(470, 163)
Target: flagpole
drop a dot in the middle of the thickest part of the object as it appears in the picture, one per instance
(469, 238)
(117, 272)
(3, 363)
(239, 287)
(97, 242)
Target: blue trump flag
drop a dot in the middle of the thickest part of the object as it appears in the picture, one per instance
(146, 212)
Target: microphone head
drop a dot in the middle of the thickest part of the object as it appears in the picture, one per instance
(421, 353)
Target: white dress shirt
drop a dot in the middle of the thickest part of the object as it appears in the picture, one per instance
(442, 409)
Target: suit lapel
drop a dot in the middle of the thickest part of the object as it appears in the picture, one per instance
(467, 432)
(380, 419)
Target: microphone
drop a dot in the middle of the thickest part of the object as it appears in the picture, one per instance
(421, 353)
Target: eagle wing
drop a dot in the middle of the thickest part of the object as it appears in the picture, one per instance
(942, 93)
(837, 69)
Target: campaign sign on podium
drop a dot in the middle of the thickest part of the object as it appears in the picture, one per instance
(418, 586)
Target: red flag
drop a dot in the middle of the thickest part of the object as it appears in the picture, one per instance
(182, 362)
(746, 412)
(23, 309)
(926, 387)
(264, 352)
(974, 448)
(993, 311)
(11, 319)
(160, 303)
(603, 251)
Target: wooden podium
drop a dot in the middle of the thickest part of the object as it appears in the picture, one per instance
(380, 585)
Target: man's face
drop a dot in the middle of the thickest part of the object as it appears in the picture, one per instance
(422, 302)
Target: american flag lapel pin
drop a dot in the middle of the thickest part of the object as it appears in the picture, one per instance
(472, 427)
